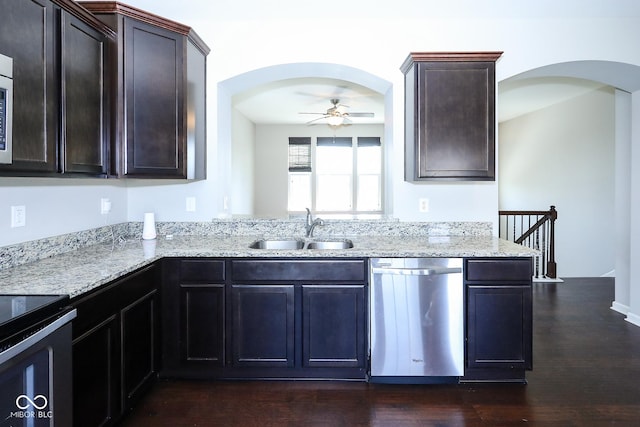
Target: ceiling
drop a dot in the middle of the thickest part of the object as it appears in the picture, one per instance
(281, 102)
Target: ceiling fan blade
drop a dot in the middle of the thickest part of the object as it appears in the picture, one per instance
(361, 114)
(312, 122)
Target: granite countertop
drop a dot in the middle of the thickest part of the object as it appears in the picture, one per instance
(82, 270)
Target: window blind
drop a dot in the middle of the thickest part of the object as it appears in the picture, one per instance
(369, 141)
(299, 154)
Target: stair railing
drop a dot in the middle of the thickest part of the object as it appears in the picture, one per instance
(534, 229)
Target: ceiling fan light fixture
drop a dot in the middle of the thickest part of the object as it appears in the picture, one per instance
(335, 120)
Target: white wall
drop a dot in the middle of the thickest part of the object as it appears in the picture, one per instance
(58, 205)
(564, 156)
(623, 200)
(633, 313)
(242, 160)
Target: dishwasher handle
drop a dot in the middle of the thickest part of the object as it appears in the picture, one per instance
(426, 271)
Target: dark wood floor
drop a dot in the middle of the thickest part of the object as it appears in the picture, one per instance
(586, 373)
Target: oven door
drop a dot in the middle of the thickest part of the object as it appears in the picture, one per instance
(35, 378)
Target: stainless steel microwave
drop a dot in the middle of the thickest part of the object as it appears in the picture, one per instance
(6, 108)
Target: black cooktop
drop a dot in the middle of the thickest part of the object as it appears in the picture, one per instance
(19, 313)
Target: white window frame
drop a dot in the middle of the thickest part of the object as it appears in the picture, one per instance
(354, 181)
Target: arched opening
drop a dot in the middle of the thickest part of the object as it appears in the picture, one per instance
(606, 106)
(236, 153)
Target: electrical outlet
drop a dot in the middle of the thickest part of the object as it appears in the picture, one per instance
(423, 205)
(191, 204)
(18, 216)
(105, 206)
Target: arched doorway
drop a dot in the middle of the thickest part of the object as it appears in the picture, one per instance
(625, 81)
(232, 189)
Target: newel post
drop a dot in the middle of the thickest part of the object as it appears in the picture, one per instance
(551, 264)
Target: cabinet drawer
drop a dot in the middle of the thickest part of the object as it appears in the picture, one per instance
(493, 269)
(201, 271)
(299, 270)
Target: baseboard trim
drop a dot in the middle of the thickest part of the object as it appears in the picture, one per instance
(620, 308)
(633, 319)
(547, 280)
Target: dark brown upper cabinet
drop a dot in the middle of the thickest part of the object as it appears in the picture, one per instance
(159, 70)
(84, 102)
(450, 116)
(58, 52)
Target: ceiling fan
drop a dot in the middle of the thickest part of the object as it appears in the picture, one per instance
(337, 115)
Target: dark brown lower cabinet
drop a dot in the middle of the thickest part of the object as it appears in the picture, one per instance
(334, 326)
(499, 319)
(140, 346)
(193, 316)
(116, 350)
(263, 325)
(202, 305)
(95, 387)
(264, 318)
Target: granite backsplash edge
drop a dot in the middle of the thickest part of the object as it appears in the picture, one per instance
(23, 253)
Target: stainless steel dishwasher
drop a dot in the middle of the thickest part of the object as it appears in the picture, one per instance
(417, 319)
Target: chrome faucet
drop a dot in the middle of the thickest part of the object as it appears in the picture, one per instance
(312, 223)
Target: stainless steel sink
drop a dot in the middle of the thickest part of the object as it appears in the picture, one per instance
(300, 244)
(277, 244)
(330, 244)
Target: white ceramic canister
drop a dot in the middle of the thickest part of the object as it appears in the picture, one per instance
(149, 227)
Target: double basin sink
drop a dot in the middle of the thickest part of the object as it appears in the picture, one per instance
(300, 244)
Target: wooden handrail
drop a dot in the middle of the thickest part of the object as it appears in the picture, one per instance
(543, 229)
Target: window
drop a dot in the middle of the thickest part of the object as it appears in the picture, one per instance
(299, 174)
(335, 175)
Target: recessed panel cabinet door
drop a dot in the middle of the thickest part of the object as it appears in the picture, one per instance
(140, 337)
(27, 36)
(499, 327)
(333, 319)
(263, 329)
(450, 116)
(83, 133)
(96, 383)
(202, 324)
(154, 91)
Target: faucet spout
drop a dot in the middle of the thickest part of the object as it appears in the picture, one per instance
(311, 223)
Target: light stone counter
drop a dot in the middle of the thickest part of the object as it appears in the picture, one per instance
(84, 269)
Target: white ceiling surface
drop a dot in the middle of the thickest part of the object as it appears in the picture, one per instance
(282, 102)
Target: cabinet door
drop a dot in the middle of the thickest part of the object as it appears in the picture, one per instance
(263, 325)
(333, 326)
(96, 383)
(83, 131)
(499, 327)
(27, 36)
(154, 97)
(450, 116)
(202, 324)
(140, 338)
(456, 120)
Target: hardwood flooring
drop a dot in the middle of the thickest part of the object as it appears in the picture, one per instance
(586, 372)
